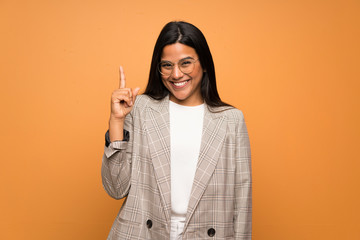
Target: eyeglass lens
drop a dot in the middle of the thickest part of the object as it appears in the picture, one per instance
(185, 66)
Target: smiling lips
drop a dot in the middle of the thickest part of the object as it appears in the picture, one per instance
(179, 84)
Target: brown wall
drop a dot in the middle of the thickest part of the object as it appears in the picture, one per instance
(291, 66)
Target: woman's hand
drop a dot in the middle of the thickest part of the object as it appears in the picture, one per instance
(122, 101)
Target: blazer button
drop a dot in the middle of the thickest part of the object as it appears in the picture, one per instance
(149, 223)
(211, 232)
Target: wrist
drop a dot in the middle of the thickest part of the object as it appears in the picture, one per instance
(116, 127)
(116, 120)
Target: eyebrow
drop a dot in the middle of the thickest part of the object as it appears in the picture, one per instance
(179, 60)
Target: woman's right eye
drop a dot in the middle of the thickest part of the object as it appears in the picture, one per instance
(166, 65)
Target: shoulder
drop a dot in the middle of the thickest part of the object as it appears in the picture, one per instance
(141, 101)
(233, 117)
(235, 120)
(144, 101)
(235, 114)
(231, 113)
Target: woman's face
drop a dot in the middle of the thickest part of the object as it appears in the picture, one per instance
(184, 88)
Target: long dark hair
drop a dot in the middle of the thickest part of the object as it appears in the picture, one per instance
(187, 34)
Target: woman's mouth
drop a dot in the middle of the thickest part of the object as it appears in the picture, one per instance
(179, 84)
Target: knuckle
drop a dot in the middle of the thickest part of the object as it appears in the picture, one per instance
(115, 92)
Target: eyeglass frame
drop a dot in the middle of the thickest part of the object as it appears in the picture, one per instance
(173, 66)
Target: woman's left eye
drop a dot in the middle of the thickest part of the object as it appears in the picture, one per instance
(185, 63)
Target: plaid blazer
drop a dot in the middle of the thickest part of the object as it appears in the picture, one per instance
(220, 204)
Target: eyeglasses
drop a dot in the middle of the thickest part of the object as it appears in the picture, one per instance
(185, 65)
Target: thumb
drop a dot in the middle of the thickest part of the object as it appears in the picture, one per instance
(135, 93)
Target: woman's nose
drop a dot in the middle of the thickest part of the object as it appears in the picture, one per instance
(177, 73)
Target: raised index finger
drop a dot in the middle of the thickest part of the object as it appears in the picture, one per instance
(122, 78)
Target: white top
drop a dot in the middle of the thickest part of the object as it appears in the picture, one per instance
(186, 125)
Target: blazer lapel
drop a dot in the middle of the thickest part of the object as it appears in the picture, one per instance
(214, 131)
(158, 132)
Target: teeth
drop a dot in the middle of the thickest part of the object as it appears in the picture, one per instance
(179, 84)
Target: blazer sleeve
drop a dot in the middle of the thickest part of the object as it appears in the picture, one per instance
(243, 183)
(116, 164)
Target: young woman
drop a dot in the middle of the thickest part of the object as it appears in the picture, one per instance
(179, 155)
